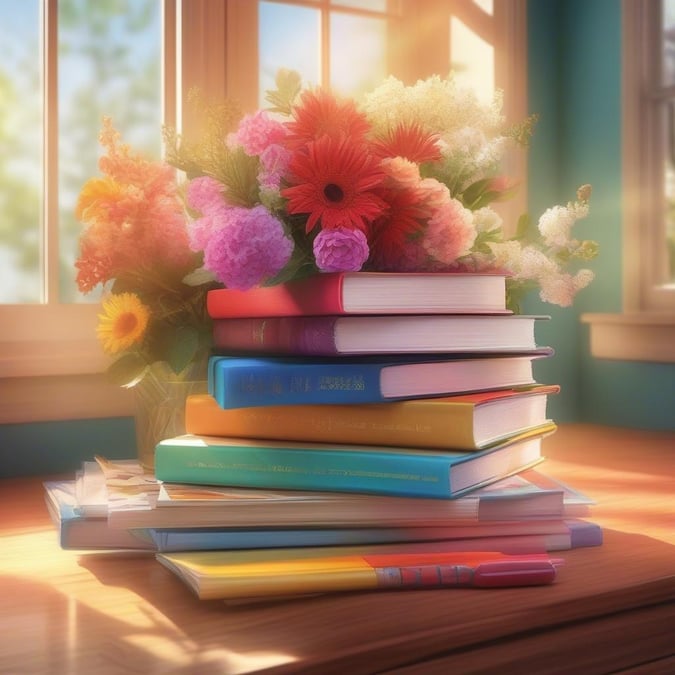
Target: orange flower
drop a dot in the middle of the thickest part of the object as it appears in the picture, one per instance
(319, 114)
(411, 142)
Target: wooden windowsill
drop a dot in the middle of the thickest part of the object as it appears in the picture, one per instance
(632, 337)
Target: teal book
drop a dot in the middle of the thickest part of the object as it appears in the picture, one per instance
(404, 472)
(243, 382)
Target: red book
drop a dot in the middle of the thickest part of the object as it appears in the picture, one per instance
(366, 293)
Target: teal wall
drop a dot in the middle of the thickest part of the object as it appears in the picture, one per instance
(56, 447)
(574, 84)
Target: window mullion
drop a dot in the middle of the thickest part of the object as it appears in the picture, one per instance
(50, 203)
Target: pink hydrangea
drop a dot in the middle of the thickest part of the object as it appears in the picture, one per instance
(201, 230)
(340, 249)
(205, 194)
(274, 163)
(257, 131)
(249, 249)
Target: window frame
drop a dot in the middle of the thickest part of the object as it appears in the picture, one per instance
(645, 329)
(51, 364)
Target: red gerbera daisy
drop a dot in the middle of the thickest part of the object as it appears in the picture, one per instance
(333, 180)
(320, 113)
(395, 236)
(409, 141)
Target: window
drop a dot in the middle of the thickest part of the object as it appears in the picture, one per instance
(69, 62)
(645, 330)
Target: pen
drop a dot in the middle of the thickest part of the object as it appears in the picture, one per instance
(497, 574)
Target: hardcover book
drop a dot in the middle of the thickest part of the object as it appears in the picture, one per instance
(388, 334)
(241, 382)
(468, 421)
(365, 293)
(386, 470)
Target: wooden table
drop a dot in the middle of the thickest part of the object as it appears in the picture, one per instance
(612, 609)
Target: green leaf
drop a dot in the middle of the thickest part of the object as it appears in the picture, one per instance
(199, 277)
(128, 370)
(181, 347)
(523, 227)
(289, 83)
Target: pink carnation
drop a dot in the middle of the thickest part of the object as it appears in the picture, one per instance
(249, 249)
(450, 233)
(340, 249)
(257, 131)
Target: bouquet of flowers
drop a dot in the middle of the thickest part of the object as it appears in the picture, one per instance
(401, 181)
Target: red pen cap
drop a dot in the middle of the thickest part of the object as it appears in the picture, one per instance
(511, 573)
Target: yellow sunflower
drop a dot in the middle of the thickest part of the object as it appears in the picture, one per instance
(122, 323)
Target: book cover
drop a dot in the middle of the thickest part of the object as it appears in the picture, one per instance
(365, 293)
(386, 334)
(465, 421)
(386, 470)
(241, 382)
(77, 531)
(507, 537)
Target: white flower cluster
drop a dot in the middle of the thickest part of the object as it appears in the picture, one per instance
(543, 266)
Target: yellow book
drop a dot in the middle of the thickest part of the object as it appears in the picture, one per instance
(469, 422)
(287, 572)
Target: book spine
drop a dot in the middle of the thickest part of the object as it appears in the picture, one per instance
(376, 472)
(299, 335)
(320, 295)
(422, 423)
(240, 383)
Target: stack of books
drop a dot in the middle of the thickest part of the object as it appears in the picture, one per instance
(385, 413)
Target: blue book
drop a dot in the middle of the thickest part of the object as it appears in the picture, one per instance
(242, 382)
(507, 537)
(404, 472)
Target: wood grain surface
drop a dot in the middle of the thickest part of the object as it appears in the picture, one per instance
(612, 608)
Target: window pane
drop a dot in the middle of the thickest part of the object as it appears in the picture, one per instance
(109, 65)
(472, 59)
(670, 194)
(357, 53)
(372, 5)
(289, 37)
(20, 152)
(668, 43)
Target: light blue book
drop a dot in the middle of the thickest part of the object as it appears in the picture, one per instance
(505, 537)
(76, 531)
(403, 472)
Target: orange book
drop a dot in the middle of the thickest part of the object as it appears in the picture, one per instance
(471, 421)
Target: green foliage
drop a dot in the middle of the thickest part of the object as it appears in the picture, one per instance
(289, 84)
(128, 370)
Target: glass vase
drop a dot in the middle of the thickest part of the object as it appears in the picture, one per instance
(160, 406)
